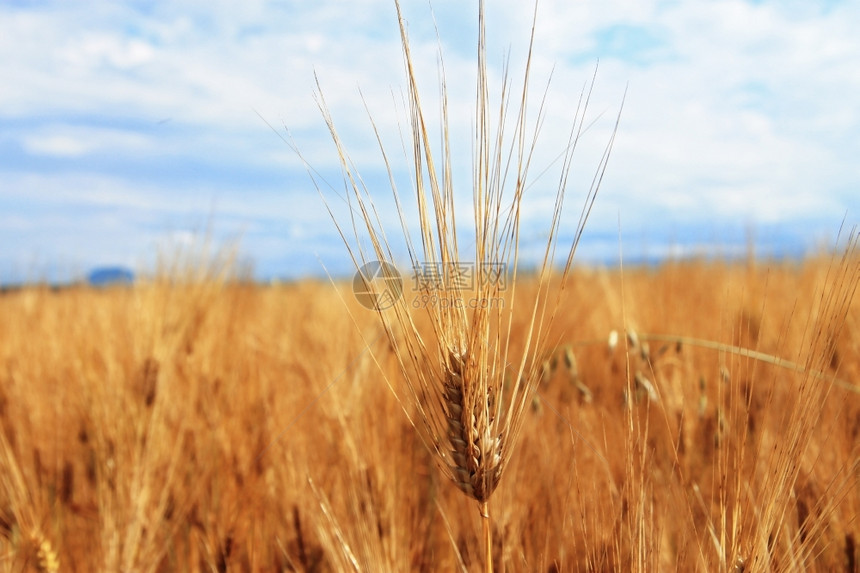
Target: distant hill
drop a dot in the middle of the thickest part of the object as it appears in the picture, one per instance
(105, 276)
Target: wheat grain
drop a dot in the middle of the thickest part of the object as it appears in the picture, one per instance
(612, 342)
(644, 387)
(570, 362)
(47, 560)
(632, 339)
(573, 373)
(477, 448)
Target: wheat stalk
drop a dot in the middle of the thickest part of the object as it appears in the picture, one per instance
(455, 378)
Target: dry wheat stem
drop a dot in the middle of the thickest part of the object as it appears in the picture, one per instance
(721, 347)
(755, 355)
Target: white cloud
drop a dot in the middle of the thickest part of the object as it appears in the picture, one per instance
(94, 50)
(76, 141)
(735, 110)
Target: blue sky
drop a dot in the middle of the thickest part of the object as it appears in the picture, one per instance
(131, 128)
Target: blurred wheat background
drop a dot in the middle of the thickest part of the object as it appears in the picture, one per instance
(197, 422)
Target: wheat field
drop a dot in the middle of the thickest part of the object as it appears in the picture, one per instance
(207, 424)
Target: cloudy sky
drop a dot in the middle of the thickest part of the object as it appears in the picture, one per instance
(131, 128)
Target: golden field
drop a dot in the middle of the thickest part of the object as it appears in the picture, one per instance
(210, 425)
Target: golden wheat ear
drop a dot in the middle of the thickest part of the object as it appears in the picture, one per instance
(455, 364)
